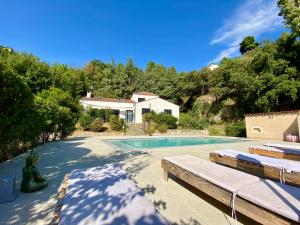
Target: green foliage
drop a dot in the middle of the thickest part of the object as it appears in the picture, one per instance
(85, 121)
(59, 111)
(96, 125)
(290, 10)
(31, 112)
(116, 123)
(103, 114)
(166, 119)
(236, 130)
(153, 121)
(149, 124)
(16, 104)
(192, 121)
(247, 44)
(217, 129)
(162, 128)
(213, 131)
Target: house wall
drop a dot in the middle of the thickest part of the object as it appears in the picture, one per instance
(273, 126)
(146, 97)
(109, 105)
(158, 105)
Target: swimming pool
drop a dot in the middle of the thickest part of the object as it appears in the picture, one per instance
(145, 143)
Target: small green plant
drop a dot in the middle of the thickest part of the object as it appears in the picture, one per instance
(192, 121)
(236, 130)
(213, 131)
(149, 124)
(85, 121)
(115, 123)
(162, 128)
(97, 125)
(166, 119)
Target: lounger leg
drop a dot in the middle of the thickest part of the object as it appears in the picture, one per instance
(166, 175)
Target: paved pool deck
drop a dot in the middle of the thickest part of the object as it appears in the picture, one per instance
(177, 202)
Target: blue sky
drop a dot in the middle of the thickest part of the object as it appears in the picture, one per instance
(182, 33)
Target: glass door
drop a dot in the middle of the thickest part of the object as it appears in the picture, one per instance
(129, 116)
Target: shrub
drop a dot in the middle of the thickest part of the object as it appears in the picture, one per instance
(213, 131)
(97, 125)
(115, 123)
(162, 128)
(103, 114)
(166, 119)
(236, 130)
(85, 121)
(217, 130)
(149, 124)
(192, 121)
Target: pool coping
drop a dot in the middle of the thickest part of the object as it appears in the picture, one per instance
(115, 147)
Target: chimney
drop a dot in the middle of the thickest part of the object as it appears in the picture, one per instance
(89, 94)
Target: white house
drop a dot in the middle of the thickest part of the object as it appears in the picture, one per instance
(132, 109)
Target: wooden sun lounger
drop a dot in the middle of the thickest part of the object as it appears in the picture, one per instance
(265, 201)
(286, 171)
(101, 196)
(277, 151)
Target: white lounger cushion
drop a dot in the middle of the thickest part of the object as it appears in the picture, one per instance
(214, 173)
(291, 149)
(276, 197)
(282, 199)
(105, 195)
(288, 165)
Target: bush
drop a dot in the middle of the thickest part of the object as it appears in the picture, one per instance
(115, 123)
(85, 121)
(213, 131)
(191, 121)
(166, 119)
(162, 128)
(149, 124)
(97, 125)
(103, 114)
(216, 130)
(236, 130)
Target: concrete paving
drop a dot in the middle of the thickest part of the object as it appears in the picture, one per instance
(177, 202)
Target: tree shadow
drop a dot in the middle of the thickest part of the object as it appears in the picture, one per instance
(105, 195)
(56, 159)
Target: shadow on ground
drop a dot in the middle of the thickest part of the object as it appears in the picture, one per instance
(56, 159)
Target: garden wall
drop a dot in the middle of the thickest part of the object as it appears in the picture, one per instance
(273, 126)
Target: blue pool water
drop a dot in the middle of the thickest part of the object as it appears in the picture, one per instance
(142, 143)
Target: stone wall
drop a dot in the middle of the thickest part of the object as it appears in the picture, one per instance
(274, 126)
(80, 133)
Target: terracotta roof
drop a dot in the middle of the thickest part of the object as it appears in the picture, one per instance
(121, 100)
(144, 93)
(271, 113)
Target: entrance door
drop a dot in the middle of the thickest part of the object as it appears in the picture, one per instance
(129, 116)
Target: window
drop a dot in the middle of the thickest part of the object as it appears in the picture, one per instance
(116, 112)
(256, 130)
(145, 110)
(141, 99)
(168, 111)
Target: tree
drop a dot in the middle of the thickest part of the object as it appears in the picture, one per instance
(15, 109)
(59, 110)
(247, 44)
(290, 10)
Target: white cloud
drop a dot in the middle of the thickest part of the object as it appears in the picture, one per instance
(254, 17)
